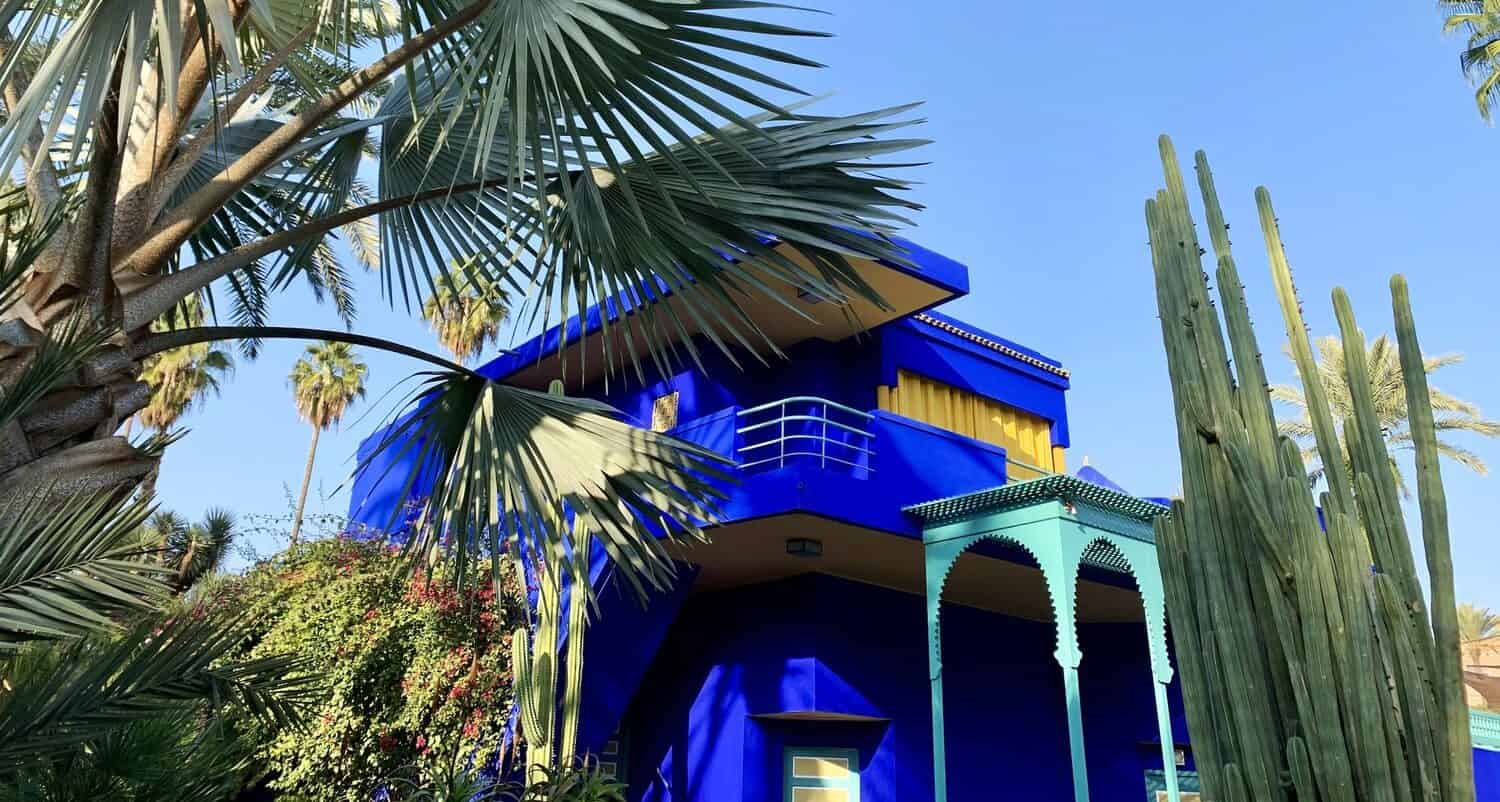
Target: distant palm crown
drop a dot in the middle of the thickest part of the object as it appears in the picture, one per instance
(1389, 396)
(325, 381)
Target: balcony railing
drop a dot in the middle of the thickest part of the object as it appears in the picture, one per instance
(1018, 471)
(1484, 728)
(807, 429)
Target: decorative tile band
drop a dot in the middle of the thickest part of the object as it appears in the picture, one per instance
(992, 345)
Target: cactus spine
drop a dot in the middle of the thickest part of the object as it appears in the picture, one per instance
(1310, 668)
(536, 658)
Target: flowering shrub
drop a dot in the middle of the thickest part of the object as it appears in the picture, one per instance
(416, 672)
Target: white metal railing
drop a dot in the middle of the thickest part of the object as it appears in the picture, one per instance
(1033, 471)
(804, 427)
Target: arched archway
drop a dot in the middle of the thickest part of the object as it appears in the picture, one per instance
(1060, 521)
(994, 635)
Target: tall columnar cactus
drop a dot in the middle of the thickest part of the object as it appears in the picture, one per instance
(550, 730)
(534, 671)
(572, 698)
(1310, 667)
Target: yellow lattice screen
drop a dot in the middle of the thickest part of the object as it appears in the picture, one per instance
(1025, 437)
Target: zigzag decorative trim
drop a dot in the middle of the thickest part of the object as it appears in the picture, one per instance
(992, 345)
(1049, 583)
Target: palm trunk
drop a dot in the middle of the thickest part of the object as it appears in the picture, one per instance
(312, 451)
(186, 563)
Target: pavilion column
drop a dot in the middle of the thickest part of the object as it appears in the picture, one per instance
(1168, 752)
(1148, 579)
(1075, 733)
(1059, 561)
(939, 558)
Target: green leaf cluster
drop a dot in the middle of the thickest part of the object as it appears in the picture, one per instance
(415, 670)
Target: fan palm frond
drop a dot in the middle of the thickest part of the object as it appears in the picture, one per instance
(529, 468)
(744, 215)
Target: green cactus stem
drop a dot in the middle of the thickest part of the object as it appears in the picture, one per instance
(1337, 686)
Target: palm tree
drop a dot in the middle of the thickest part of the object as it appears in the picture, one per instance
(191, 551)
(163, 151)
(466, 313)
(79, 587)
(1389, 395)
(179, 378)
(1480, 60)
(325, 381)
(1476, 624)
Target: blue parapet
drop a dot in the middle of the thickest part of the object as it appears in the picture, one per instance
(385, 474)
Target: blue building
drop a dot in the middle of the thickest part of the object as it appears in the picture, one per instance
(907, 579)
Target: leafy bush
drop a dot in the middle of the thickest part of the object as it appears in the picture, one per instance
(416, 672)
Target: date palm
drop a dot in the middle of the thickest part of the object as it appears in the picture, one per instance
(1479, 20)
(1476, 624)
(86, 655)
(466, 315)
(1451, 414)
(325, 381)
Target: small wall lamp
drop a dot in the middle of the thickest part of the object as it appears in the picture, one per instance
(804, 547)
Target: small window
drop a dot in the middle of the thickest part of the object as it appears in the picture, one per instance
(822, 775)
(664, 412)
(612, 758)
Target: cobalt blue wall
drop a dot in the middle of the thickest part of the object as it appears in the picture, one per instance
(913, 463)
(1487, 775)
(845, 372)
(836, 646)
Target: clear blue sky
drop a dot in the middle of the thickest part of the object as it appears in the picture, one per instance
(1045, 118)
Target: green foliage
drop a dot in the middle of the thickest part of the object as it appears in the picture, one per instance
(1477, 623)
(190, 551)
(183, 376)
(1479, 21)
(550, 784)
(61, 701)
(565, 784)
(466, 313)
(70, 572)
(415, 670)
(179, 757)
(1338, 687)
(325, 381)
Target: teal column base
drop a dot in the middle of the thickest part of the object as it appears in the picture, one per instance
(935, 685)
(1168, 750)
(1075, 734)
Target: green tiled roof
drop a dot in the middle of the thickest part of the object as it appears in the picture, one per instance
(1032, 491)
